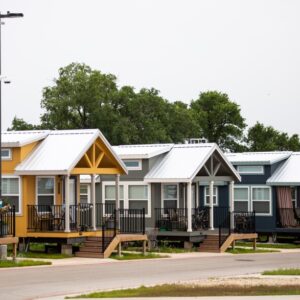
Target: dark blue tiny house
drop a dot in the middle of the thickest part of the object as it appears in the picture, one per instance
(269, 187)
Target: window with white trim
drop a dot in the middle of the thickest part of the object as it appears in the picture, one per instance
(6, 154)
(294, 196)
(215, 196)
(11, 192)
(170, 195)
(138, 197)
(250, 170)
(133, 164)
(110, 195)
(85, 193)
(261, 200)
(45, 190)
(241, 199)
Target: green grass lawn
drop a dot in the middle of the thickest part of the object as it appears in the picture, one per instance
(271, 246)
(176, 290)
(22, 263)
(130, 256)
(238, 250)
(295, 272)
(38, 254)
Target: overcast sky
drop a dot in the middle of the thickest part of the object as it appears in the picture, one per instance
(247, 49)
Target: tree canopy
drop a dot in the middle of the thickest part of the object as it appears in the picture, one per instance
(81, 97)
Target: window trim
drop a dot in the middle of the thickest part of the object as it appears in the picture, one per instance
(20, 212)
(207, 195)
(125, 185)
(262, 172)
(9, 156)
(36, 189)
(138, 168)
(88, 192)
(269, 200)
(162, 194)
(242, 200)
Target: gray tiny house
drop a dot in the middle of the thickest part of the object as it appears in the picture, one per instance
(186, 190)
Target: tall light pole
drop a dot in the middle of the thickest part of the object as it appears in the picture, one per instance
(3, 16)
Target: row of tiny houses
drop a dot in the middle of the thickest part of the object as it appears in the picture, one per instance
(71, 186)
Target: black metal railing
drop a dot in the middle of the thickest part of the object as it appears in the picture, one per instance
(103, 212)
(288, 217)
(225, 229)
(169, 219)
(52, 217)
(200, 218)
(132, 220)
(7, 221)
(244, 222)
(109, 230)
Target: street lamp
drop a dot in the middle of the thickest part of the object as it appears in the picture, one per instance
(3, 16)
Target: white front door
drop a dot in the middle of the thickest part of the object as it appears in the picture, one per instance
(72, 189)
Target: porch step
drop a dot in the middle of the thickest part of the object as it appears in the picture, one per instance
(210, 244)
(90, 249)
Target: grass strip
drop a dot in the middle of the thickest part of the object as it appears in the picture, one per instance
(37, 254)
(174, 290)
(238, 250)
(295, 272)
(270, 246)
(164, 250)
(22, 263)
(130, 256)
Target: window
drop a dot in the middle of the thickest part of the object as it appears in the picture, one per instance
(294, 196)
(133, 164)
(45, 190)
(170, 195)
(138, 197)
(241, 199)
(215, 195)
(250, 170)
(261, 200)
(85, 193)
(6, 154)
(110, 195)
(11, 192)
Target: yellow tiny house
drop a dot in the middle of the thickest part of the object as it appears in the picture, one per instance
(41, 178)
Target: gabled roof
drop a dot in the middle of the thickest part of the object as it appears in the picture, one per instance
(141, 151)
(60, 151)
(22, 138)
(183, 162)
(288, 174)
(262, 158)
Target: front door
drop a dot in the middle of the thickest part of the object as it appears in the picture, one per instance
(72, 189)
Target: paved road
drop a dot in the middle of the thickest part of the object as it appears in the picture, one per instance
(38, 282)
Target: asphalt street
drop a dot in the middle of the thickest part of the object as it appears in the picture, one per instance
(43, 282)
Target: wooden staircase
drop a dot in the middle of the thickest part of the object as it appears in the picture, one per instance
(210, 244)
(92, 247)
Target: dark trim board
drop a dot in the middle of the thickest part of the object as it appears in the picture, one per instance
(68, 241)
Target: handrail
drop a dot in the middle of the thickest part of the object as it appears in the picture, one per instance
(8, 221)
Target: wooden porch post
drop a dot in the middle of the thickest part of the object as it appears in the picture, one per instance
(67, 203)
(211, 205)
(117, 190)
(93, 198)
(231, 203)
(189, 207)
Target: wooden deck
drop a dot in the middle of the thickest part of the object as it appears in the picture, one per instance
(10, 240)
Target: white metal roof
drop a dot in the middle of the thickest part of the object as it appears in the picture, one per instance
(288, 173)
(141, 151)
(60, 151)
(262, 158)
(183, 162)
(22, 138)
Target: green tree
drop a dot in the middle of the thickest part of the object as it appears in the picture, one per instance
(266, 138)
(219, 119)
(20, 124)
